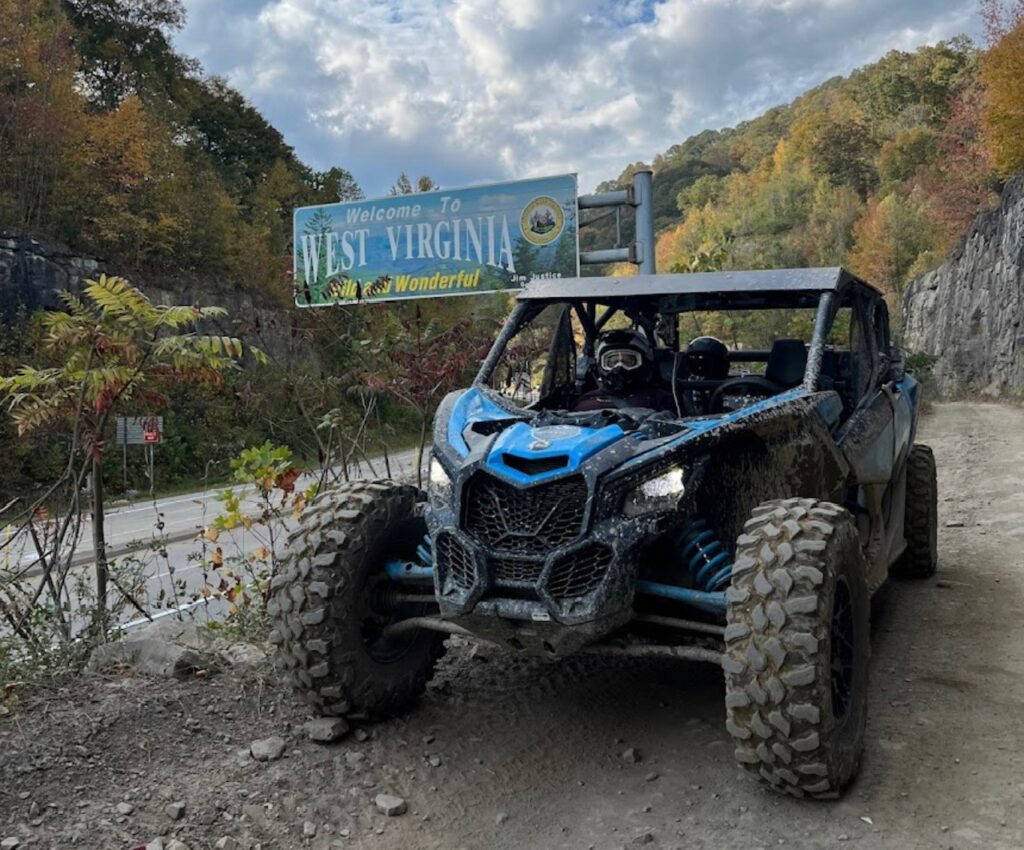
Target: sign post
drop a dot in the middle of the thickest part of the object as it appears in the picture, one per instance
(433, 244)
(145, 431)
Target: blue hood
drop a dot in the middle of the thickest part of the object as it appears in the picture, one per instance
(527, 454)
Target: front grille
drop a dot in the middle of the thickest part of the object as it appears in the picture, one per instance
(507, 571)
(530, 521)
(580, 572)
(453, 559)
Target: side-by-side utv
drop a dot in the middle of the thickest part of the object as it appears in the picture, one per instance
(739, 503)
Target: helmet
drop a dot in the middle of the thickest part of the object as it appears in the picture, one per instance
(708, 358)
(624, 359)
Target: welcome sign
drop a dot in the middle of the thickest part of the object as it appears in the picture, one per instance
(431, 244)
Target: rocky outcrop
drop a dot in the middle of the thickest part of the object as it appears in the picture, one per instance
(969, 313)
(33, 272)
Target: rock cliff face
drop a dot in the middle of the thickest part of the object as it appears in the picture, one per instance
(969, 313)
(33, 272)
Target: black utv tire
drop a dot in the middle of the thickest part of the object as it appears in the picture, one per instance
(920, 522)
(324, 602)
(797, 647)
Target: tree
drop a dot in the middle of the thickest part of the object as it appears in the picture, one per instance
(404, 186)
(960, 182)
(418, 360)
(844, 153)
(41, 113)
(335, 184)
(1002, 70)
(125, 48)
(1000, 17)
(116, 349)
(241, 143)
(900, 158)
(889, 239)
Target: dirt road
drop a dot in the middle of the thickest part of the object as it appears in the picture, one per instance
(511, 753)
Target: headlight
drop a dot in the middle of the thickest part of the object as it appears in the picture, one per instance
(439, 486)
(661, 493)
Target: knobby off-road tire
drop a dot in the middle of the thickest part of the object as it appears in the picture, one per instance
(797, 647)
(921, 519)
(326, 602)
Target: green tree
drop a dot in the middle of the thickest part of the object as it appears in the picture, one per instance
(335, 184)
(125, 48)
(115, 349)
(900, 158)
(844, 152)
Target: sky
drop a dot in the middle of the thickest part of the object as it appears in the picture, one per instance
(471, 91)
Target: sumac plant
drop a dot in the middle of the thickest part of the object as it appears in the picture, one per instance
(112, 350)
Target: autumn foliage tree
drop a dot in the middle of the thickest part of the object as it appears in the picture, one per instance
(1002, 71)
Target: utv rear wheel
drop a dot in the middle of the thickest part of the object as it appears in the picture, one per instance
(797, 647)
(920, 522)
(332, 602)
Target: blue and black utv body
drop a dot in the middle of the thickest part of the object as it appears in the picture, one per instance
(743, 514)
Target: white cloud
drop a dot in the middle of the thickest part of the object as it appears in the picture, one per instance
(474, 90)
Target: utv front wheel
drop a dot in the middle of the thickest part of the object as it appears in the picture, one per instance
(797, 647)
(921, 518)
(332, 602)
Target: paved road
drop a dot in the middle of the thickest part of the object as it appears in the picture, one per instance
(172, 561)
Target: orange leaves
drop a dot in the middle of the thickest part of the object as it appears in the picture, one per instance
(286, 480)
(118, 146)
(1002, 70)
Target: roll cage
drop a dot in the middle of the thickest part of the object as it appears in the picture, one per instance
(653, 303)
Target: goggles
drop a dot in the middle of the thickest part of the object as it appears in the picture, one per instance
(621, 358)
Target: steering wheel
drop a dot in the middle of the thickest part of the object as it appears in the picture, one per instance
(744, 385)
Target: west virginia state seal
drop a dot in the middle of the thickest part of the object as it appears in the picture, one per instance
(542, 220)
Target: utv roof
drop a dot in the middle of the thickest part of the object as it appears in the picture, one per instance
(700, 283)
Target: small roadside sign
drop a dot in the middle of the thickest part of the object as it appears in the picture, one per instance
(139, 430)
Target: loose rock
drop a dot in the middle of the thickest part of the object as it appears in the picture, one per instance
(632, 755)
(12, 843)
(125, 808)
(309, 829)
(390, 805)
(175, 810)
(267, 749)
(326, 730)
(170, 649)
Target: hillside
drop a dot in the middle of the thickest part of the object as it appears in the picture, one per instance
(882, 171)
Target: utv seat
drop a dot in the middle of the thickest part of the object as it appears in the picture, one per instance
(787, 362)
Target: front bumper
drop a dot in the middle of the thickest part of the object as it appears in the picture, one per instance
(533, 596)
